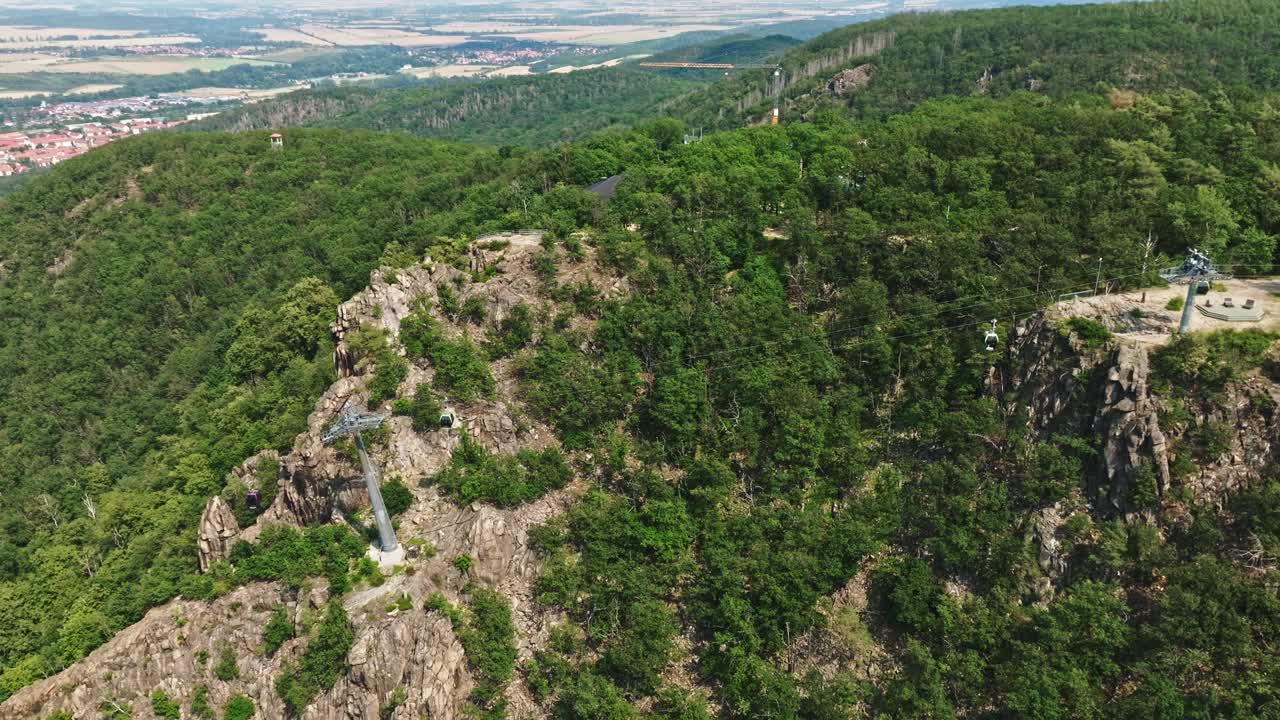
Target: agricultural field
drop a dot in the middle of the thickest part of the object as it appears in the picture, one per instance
(93, 88)
(359, 36)
(75, 54)
(31, 33)
(113, 42)
(289, 35)
(251, 93)
(141, 65)
(450, 71)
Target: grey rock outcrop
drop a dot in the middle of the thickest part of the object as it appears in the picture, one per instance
(1045, 379)
(218, 528)
(175, 646)
(851, 81)
(415, 650)
(1042, 528)
(1128, 428)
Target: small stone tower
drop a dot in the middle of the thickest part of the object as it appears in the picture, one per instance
(277, 141)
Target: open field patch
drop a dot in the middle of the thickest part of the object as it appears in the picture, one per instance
(607, 63)
(288, 35)
(606, 34)
(347, 35)
(250, 93)
(115, 42)
(92, 89)
(450, 71)
(512, 71)
(32, 33)
(294, 55)
(149, 65)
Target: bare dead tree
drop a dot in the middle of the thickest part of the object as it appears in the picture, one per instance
(44, 505)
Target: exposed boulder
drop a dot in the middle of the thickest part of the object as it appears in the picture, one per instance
(1045, 378)
(1042, 530)
(852, 80)
(175, 647)
(1128, 428)
(218, 528)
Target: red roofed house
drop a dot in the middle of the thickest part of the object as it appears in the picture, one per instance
(53, 140)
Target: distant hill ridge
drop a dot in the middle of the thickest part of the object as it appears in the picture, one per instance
(531, 110)
(1054, 50)
(906, 59)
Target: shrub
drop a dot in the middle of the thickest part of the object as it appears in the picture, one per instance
(396, 496)
(513, 333)
(290, 555)
(439, 603)
(1212, 359)
(912, 594)
(164, 707)
(394, 701)
(1175, 303)
(460, 368)
(578, 398)
(473, 310)
(226, 670)
(389, 368)
(321, 664)
(487, 634)
(1091, 332)
(489, 642)
(200, 703)
(448, 301)
(474, 474)
(463, 563)
(238, 707)
(423, 408)
(279, 630)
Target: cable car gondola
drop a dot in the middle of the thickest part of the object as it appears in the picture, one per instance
(991, 340)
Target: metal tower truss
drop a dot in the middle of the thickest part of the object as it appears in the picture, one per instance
(1197, 268)
(352, 421)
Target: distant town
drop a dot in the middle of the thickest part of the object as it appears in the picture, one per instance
(22, 151)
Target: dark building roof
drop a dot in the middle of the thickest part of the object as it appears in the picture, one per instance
(607, 187)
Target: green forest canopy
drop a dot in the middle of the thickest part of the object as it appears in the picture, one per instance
(164, 305)
(183, 335)
(1060, 50)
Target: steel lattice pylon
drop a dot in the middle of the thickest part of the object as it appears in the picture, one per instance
(351, 421)
(1195, 269)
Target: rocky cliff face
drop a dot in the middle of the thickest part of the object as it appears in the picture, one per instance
(850, 81)
(175, 647)
(1056, 384)
(1127, 426)
(863, 46)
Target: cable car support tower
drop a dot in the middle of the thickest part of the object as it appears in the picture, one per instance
(1194, 270)
(351, 421)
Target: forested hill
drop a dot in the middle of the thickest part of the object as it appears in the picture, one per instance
(532, 110)
(1193, 44)
(789, 413)
(164, 312)
(734, 49)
